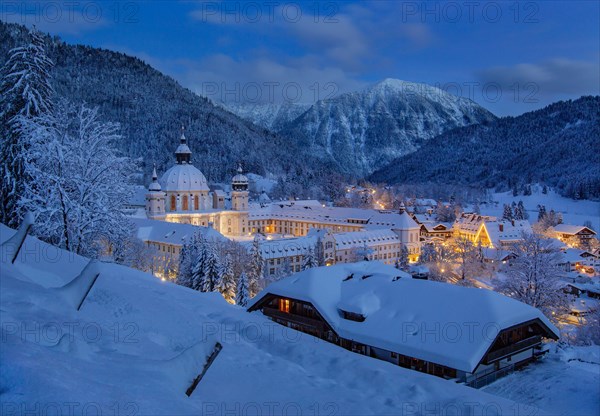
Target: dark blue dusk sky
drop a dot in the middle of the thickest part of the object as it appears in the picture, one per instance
(510, 57)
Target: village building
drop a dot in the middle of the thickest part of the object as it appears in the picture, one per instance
(575, 260)
(573, 235)
(464, 334)
(166, 240)
(488, 231)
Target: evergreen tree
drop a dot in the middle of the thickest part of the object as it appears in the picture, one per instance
(541, 212)
(211, 269)
(242, 293)
(309, 260)
(403, 258)
(507, 213)
(544, 189)
(226, 282)
(198, 263)
(26, 93)
(257, 265)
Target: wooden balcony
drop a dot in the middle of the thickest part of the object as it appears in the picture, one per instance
(297, 319)
(512, 349)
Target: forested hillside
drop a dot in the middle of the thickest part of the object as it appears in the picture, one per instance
(558, 145)
(151, 108)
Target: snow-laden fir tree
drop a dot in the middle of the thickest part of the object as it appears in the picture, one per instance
(242, 293)
(507, 213)
(212, 269)
(191, 251)
(226, 282)
(519, 211)
(25, 92)
(200, 255)
(402, 263)
(255, 275)
(286, 268)
(534, 277)
(309, 260)
(79, 185)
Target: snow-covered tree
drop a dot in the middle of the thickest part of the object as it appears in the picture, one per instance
(534, 276)
(199, 257)
(402, 262)
(507, 213)
(465, 255)
(26, 93)
(187, 257)
(519, 211)
(428, 254)
(226, 282)
(79, 184)
(242, 293)
(212, 268)
(257, 268)
(309, 260)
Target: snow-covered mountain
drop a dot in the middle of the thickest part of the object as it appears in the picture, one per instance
(272, 116)
(556, 145)
(363, 131)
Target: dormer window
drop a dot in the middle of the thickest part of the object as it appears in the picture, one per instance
(353, 316)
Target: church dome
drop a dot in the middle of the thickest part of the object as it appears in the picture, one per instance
(183, 178)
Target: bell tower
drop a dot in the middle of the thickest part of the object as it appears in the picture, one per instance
(239, 191)
(155, 199)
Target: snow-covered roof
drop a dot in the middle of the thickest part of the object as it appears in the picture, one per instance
(369, 237)
(570, 229)
(302, 210)
(437, 322)
(171, 232)
(507, 231)
(573, 255)
(285, 247)
(183, 178)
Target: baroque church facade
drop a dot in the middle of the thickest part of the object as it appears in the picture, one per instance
(182, 195)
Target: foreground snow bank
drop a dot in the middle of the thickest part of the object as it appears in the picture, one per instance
(137, 343)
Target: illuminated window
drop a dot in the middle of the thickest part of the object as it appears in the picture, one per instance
(173, 203)
(284, 305)
(196, 203)
(185, 203)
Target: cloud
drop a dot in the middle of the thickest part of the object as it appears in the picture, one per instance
(223, 78)
(559, 76)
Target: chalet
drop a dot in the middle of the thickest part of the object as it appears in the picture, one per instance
(573, 235)
(468, 335)
(489, 231)
(575, 260)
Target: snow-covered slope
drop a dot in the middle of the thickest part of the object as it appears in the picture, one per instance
(137, 343)
(272, 116)
(363, 131)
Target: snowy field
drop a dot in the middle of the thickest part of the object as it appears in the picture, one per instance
(137, 343)
(565, 382)
(574, 212)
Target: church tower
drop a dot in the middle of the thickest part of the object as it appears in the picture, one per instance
(155, 199)
(239, 191)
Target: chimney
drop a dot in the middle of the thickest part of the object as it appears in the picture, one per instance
(501, 227)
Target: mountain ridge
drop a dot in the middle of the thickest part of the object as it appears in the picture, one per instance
(545, 145)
